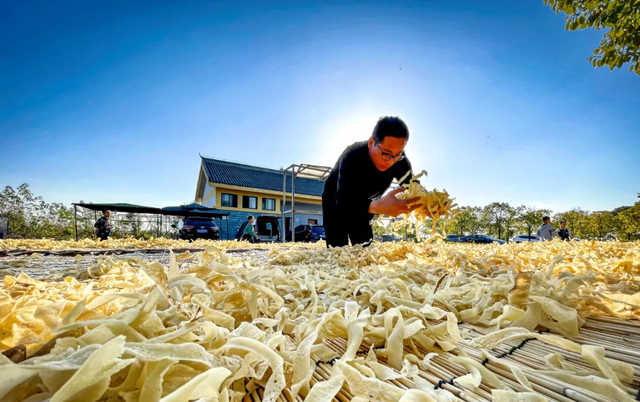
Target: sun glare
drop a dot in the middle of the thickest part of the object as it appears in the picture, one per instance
(342, 132)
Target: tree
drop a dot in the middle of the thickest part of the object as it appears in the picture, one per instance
(616, 211)
(628, 222)
(530, 218)
(378, 230)
(478, 222)
(499, 216)
(601, 223)
(31, 217)
(578, 221)
(460, 223)
(621, 20)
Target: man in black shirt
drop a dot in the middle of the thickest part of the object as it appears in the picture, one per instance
(103, 226)
(564, 232)
(365, 170)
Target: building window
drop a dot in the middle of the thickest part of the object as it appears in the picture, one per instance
(229, 200)
(269, 204)
(312, 221)
(249, 202)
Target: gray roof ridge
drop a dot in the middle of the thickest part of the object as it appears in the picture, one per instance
(252, 167)
(241, 164)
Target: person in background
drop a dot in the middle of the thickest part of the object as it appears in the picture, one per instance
(103, 226)
(564, 232)
(353, 192)
(249, 233)
(546, 230)
(240, 232)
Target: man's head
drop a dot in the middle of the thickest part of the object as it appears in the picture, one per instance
(106, 213)
(387, 142)
(250, 218)
(563, 224)
(546, 219)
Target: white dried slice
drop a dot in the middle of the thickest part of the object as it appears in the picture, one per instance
(205, 385)
(276, 382)
(368, 388)
(93, 377)
(325, 391)
(500, 395)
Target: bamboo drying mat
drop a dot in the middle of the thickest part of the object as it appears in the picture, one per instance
(621, 340)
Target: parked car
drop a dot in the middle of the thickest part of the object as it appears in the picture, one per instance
(317, 234)
(525, 238)
(302, 233)
(194, 227)
(389, 237)
(308, 233)
(268, 228)
(452, 238)
(480, 239)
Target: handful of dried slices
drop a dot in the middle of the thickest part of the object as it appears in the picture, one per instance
(434, 204)
(221, 328)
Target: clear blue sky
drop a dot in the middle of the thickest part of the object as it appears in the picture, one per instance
(111, 101)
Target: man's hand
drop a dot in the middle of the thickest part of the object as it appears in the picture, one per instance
(391, 206)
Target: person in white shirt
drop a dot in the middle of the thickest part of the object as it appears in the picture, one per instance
(546, 230)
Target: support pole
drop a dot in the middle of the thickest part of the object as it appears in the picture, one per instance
(283, 234)
(75, 219)
(293, 203)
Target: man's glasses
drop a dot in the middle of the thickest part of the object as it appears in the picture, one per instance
(389, 157)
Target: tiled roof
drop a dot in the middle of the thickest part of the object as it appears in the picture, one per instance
(237, 174)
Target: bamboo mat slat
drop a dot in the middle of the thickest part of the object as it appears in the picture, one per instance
(621, 340)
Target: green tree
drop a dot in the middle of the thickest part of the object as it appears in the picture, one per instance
(601, 223)
(619, 18)
(628, 222)
(461, 222)
(499, 217)
(378, 230)
(31, 217)
(530, 218)
(478, 222)
(578, 221)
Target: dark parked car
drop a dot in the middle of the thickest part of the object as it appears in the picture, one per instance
(198, 228)
(452, 238)
(302, 233)
(480, 239)
(317, 234)
(268, 228)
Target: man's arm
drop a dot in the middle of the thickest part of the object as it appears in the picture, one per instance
(350, 199)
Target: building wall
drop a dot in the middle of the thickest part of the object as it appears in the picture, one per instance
(208, 198)
(237, 218)
(240, 193)
(212, 197)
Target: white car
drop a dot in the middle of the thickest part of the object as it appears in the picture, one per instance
(524, 238)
